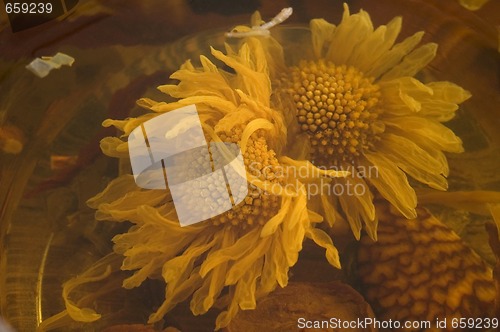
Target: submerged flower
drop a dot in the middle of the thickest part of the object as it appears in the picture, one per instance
(360, 108)
(232, 259)
(354, 105)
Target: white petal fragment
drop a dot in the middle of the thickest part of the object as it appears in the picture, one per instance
(41, 67)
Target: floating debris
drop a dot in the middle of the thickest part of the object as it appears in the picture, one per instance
(41, 67)
(263, 29)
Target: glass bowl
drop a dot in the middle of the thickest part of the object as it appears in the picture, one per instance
(122, 51)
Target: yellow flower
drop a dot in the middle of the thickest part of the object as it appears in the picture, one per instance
(360, 108)
(357, 107)
(241, 255)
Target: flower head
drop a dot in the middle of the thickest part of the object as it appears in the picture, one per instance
(359, 107)
(353, 105)
(242, 254)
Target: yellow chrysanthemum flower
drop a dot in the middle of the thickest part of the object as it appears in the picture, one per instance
(241, 255)
(357, 108)
(360, 108)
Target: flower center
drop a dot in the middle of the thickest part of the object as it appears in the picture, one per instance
(258, 206)
(337, 107)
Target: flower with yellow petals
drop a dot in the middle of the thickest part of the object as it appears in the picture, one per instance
(353, 105)
(236, 257)
(360, 108)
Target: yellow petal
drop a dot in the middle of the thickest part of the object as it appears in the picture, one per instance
(148, 268)
(414, 160)
(187, 65)
(477, 201)
(268, 276)
(225, 317)
(328, 209)
(358, 205)
(447, 91)
(306, 167)
(221, 104)
(322, 33)
(261, 110)
(314, 217)
(413, 62)
(213, 284)
(272, 225)
(176, 295)
(207, 65)
(129, 124)
(297, 214)
(125, 208)
(252, 127)
(234, 252)
(323, 240)
(178, 269)
(437, 154)
(204, 81)
(351, 31)
(252, 82)
(376, 45)
(394, 55)
(256, 19)
(292, 238)
(243, 265)
(280, 261)
(392, 184)
(113, 191)
(242, 115)
(438, 110)
(421, 131)
(347, 203)
(100, 270)
(245, 290)
(288, 190)
(114, 147)
(402, 96)
(442, 104)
